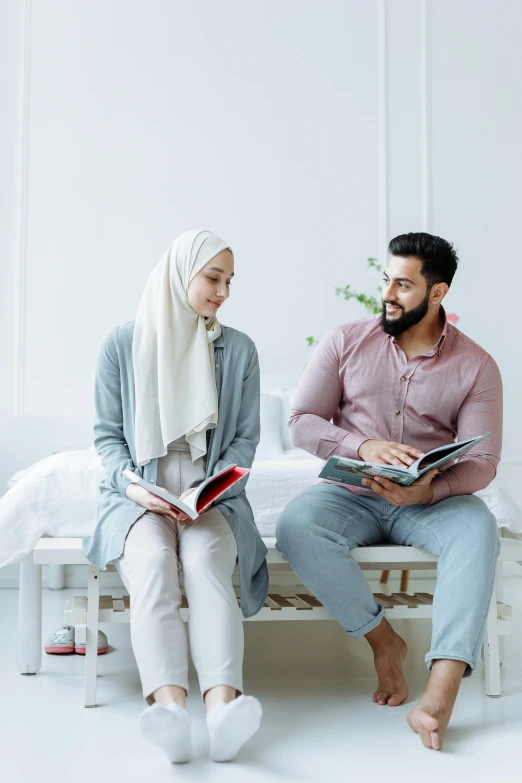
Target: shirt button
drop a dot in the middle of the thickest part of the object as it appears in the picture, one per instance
(152, 481)
(404, 378)
(217, 366)
(397, 413)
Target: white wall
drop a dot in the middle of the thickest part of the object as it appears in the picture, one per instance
(305, 133)
(11, 90)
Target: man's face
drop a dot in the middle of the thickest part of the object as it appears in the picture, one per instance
(405, 295)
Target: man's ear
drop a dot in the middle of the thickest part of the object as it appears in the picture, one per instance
(438, 292)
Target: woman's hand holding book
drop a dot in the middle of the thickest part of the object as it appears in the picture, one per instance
(151, 502)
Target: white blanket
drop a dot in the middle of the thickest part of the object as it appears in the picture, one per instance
(59, 496)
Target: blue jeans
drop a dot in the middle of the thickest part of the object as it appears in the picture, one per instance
(318, 528)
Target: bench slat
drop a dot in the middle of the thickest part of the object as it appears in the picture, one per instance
(271, 604)
(299, 603)
(408, 600)
(282, 602)
(425, 598)
(310, 599)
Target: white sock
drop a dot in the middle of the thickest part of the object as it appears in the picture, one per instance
(231, 725)
(169, 729)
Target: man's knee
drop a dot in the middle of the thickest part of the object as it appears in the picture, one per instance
(476, 528)
(488, 539)
(295, 522)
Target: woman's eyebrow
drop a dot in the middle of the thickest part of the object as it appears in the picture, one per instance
(217, 269)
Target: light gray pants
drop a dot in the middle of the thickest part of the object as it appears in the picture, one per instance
(157, 551)
(319, 527)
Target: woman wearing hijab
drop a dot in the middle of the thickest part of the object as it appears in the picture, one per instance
(176, 400)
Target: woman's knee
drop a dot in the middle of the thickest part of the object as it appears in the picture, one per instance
(215, 560)
(159, 565)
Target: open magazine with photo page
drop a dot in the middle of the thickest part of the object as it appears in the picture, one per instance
(351, 471)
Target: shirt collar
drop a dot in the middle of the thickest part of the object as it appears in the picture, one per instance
(219, 342)
(442, 338)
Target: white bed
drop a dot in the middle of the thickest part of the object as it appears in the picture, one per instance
(58, 496)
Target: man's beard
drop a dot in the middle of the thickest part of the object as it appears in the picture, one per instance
(409, 318)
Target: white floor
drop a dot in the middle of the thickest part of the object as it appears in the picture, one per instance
(319, 723)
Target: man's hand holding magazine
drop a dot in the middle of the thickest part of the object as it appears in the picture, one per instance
(420, 493)
(393, 473)
(391, 453)
(388, 452)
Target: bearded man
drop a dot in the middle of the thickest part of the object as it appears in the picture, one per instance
(387, 389)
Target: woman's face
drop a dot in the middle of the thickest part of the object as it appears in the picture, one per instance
(211, 286)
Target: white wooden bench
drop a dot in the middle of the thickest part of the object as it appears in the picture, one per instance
(295, 604)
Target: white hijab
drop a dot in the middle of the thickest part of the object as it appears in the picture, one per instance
(173, 353)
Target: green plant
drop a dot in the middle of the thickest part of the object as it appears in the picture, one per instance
(371, 303)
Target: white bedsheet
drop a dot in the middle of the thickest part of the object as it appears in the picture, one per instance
(58, 496)
(273, 484)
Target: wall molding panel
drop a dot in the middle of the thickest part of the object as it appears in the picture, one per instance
(426, 116)
(23, 201)
(382, 118)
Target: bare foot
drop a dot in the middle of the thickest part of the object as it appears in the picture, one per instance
(389, 652)
(429, 723)
(431, 717)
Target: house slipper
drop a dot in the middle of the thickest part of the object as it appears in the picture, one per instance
(103, 645)
(63, 641)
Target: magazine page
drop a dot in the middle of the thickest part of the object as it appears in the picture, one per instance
(210, 491)
(350, 472)
(209, 480)
(444, 454)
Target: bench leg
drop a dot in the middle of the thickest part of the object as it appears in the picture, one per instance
(491, 643)
(30, 617)
(499, 588)
(56, 576)
(91, 642)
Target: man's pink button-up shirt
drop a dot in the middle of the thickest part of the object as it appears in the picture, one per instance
(359, 385)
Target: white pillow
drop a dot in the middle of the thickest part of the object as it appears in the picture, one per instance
(270, 445)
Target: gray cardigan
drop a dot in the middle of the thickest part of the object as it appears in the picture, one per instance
(234, 440)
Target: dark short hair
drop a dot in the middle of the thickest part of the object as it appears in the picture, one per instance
(439, 257)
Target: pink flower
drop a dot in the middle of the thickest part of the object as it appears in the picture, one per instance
(452, 318)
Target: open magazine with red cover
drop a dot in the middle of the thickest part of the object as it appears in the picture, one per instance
(203, 496)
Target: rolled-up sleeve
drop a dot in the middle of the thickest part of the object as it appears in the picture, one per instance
(317, 400)
(480, 412)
